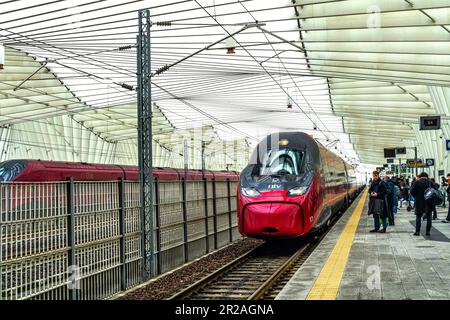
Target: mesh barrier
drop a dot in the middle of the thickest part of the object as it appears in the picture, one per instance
(82, 240)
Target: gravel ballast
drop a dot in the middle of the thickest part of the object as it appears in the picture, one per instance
(170, 284)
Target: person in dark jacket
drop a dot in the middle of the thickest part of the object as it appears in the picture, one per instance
(447, 220)
(391, 197)
(433, 207)
(378, 190)
(421, 208)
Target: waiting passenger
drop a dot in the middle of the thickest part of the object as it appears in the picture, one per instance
(402, 190)
(447, 220)
(433, 208)
(377, 203)
(390, 198)
(421, 207)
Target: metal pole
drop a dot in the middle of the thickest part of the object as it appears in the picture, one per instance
(205, 188)
(230, 218)
(203, 159)
(186, 159)
(122, 231)
(185, 220)
(216, 246)
(158, 228)
(71, 239)
(144, 104)
(415, 160)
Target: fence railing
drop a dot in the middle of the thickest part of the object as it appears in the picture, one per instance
(82, 240)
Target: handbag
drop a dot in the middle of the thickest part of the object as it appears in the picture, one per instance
(433, 196)
(376, 206)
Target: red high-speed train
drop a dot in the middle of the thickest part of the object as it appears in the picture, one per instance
(292, 186)
(44, 171)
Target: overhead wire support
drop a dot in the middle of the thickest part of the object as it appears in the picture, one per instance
(30, 76)
(230, 35)
(144, 116)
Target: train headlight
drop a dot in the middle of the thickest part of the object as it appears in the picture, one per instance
(250, 192)
(297, 191)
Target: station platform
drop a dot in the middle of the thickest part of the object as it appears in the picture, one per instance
(353, 264)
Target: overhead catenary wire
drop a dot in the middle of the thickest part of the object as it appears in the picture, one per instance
(226, 74)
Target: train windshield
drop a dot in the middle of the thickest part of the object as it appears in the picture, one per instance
(281, 162)
(11, 169)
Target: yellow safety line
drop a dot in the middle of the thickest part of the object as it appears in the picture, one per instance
(327, 283)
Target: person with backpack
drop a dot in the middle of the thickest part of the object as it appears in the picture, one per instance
(433, 207)
(422, 207)
(377, 205)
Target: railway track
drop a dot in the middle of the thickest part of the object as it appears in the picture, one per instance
(258, 274)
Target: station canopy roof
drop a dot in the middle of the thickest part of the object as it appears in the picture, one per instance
(357, 73)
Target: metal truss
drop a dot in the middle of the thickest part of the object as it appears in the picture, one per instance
(144, 105)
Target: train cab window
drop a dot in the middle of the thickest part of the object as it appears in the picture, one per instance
(11, 169)
(281, 162)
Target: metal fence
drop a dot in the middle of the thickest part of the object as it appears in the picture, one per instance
(82, 240)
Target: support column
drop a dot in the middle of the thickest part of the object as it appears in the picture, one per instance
(144, 105)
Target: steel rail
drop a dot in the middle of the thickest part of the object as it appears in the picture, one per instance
(258, 294)
(211, 277)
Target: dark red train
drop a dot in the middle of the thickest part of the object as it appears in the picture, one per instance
(44, 171)
(292, 186)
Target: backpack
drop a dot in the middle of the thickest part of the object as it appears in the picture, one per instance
(433, 196)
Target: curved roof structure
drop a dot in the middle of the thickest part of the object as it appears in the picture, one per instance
(356, 73)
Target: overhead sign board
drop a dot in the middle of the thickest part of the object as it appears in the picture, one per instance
(441, 173)
(390, 160)
(429, 162)
(385, 165)
(401, 150)
(389, 153)
(430, 123)
(419, 163)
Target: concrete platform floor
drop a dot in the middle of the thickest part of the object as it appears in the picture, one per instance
(395, 265)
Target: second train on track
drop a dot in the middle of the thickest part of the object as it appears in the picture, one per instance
(292, 186)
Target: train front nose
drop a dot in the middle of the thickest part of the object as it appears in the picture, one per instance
(272, 220)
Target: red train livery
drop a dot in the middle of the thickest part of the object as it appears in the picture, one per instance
(292, 186)
(44, 171)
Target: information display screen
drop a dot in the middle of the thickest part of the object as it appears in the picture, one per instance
(389, 153)
(430, 123)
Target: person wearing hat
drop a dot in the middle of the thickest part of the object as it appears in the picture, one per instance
(421, 207)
